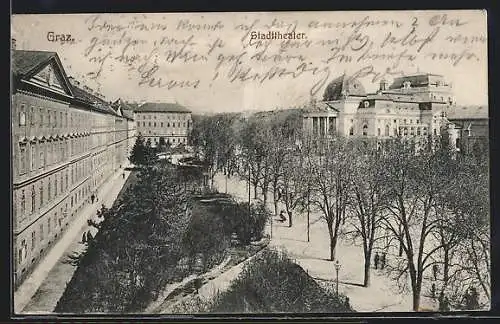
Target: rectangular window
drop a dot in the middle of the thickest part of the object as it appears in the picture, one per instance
(22, 158)
(41, 116)
(49, 113)
(32, 116)
(22, 115)
(42, 157)
(33, 156)
(41, 232)
(33, 199)
(33, 240)
(22, 251)
(23, 204)
(48, 225)
(41, 194)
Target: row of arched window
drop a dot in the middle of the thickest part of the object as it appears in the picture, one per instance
(403, 130)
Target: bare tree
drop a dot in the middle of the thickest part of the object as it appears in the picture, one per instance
(331, 185)
(368, 199)
(416, 178)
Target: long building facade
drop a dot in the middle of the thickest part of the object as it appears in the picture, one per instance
(169, 121)
(66, 143)
(411, 107)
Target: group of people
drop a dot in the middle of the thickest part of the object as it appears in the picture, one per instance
(87, 236)
(379, 260)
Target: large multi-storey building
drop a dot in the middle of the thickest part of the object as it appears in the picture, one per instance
(414, 105)
(66, 142)
(169, 121)
(126, 110)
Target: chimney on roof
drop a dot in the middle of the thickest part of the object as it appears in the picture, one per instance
(73, 81)
(383, 85)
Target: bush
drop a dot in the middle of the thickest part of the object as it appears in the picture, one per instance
(272, 283)
(247, 226)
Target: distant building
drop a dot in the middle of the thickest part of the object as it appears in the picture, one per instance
(66, 142)
(473, 125)
(168, 120)
(126, 110)
(412, 106)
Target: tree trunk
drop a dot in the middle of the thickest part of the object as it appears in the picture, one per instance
(264, 195)
(333, 242)
(446, 266)
(400, 253)
(416, 284)
(416, 301)
(255, 186)
(366, 281)
(289, 218)
(275, 200)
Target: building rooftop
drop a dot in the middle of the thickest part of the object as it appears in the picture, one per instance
(161, 107)
(418, 80)
(24, 62)
(341, 86)
(96, 102)
(468, 112)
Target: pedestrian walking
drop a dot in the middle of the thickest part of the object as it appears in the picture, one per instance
(382, 261)
(471, 299)
(435, 271)
(377, 258)
(123, 175)
(446, 304)
(282, 216)
(92, 197)
(346, 303)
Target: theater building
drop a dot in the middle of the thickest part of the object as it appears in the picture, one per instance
(66, 142)
(412, 106)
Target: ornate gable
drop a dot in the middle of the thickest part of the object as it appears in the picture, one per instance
(44, 72)
(50, 77)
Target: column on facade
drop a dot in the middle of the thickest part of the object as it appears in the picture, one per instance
(326, 125)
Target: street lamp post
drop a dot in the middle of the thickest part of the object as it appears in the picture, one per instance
(249, 188)
(337, 268)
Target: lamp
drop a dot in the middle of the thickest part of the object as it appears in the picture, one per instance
(337, 268)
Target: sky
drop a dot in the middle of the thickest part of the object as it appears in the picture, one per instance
(208, 61)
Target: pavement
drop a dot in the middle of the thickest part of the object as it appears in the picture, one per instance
(41, 291)
(383, 293)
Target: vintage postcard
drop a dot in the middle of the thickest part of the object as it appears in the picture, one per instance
(250, 162)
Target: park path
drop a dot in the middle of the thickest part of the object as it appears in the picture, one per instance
(382, 295)
(41, 291)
